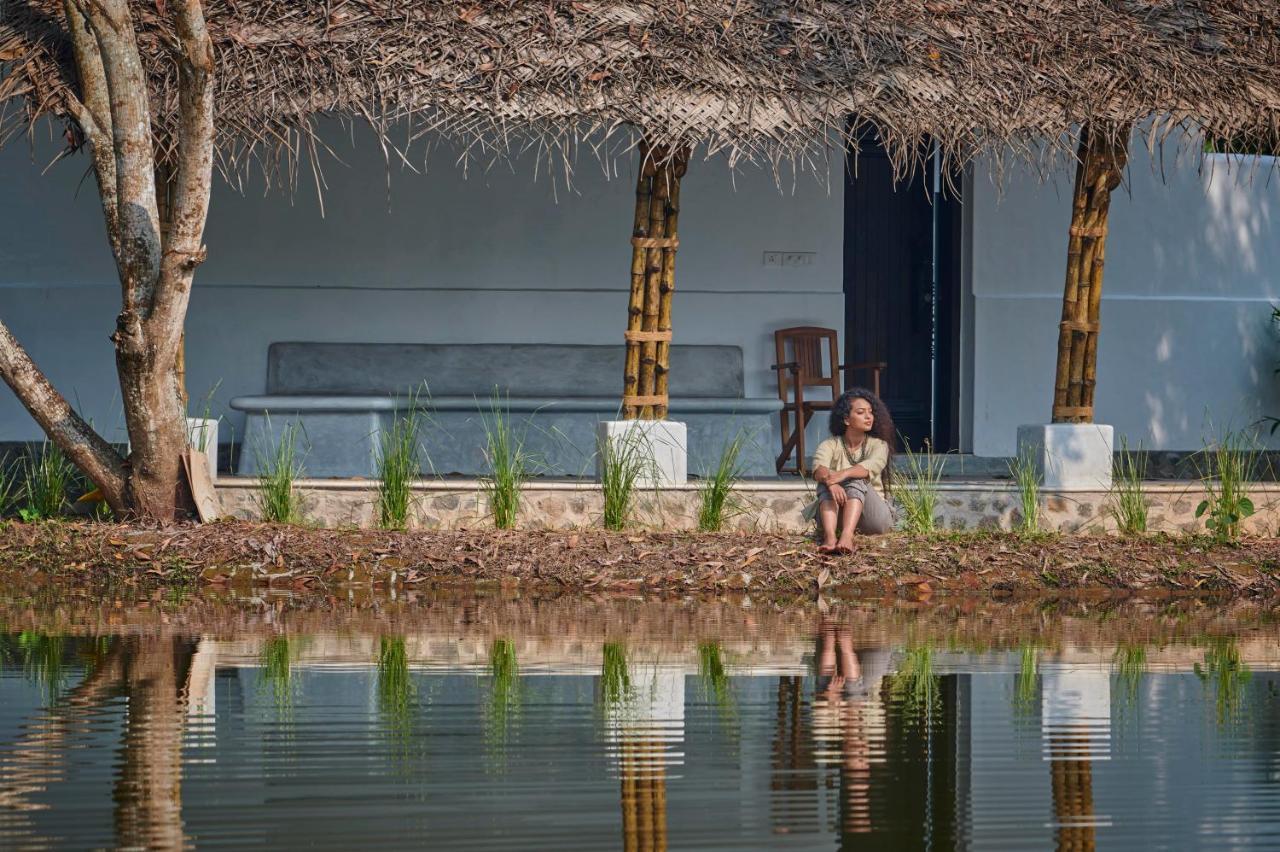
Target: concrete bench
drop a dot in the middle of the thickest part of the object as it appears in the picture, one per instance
(344, 395)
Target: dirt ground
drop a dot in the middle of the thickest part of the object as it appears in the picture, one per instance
(245, 554)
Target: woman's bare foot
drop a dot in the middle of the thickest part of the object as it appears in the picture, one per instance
(843, 548)
(826, 548)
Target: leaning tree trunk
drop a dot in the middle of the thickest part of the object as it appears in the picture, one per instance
(156, 266)
(654, 240)
(1102, 155)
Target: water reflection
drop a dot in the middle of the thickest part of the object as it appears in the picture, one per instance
(594, 724)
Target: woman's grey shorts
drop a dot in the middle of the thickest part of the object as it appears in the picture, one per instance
(876, 518)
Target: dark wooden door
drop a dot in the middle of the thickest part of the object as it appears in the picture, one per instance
(895, 309)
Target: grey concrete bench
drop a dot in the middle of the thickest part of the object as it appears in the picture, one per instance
(344, 395)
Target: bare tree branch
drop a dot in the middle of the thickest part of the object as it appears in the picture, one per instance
(138, 220)
(189, 210)
(86, 449)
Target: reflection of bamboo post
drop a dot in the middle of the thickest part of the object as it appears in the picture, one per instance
(1073, 805)
(644, 796)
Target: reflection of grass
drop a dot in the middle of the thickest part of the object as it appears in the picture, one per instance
(615, 679)
(914, 685)
(395, 688)
(1026, 690)
(42, 657)
(504, 691)
(1130, 662)
(1228, 674)
(715, 679)
(277, 660)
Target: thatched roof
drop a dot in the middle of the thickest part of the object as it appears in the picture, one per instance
(765, 79)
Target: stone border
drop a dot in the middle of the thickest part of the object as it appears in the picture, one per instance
(768, 506)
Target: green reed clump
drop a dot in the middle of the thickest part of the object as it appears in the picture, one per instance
(1026, 689)
(47, 477)
(1226, 467)
(399, 463)
(715, 677)
(1128, 490)
(615, 677)
(915, 685)
(719, 500)
(1026, 478)
(509, 465)
(919, 499)
(44, 660)
(504, 691)
(278, 499)
(276, 659)
(624, 461)
(1225, 669)
(395, 687)
(1130, 661)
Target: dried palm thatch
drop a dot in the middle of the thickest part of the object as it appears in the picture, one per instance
(766, 80)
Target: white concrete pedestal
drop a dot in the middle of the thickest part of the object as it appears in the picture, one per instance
(1069, 455)
(661, 445)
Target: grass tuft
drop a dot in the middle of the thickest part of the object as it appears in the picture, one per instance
(719, 502)
(615, 677)
(277, 498)
(919, 499)
(1026, 476)
(715, 677)
(48, 476)
(395, 688)
(1226, 467)
(1128, 493)
(399, 464)
(509, 465)
(623, 463)
(915, 685)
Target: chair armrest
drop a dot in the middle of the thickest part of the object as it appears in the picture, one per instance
(866, 365)
(793, 366)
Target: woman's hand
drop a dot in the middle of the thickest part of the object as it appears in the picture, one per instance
(838, 496)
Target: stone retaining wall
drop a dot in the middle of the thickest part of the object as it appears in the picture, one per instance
(766, 507)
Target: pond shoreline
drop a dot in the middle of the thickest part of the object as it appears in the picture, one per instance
(243, 554)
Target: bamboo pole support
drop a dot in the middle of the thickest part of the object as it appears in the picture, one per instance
(1103, 152)
(667, 283)
(654, 241)
(635, 306)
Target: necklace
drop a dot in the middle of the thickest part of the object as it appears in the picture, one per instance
(860, 449)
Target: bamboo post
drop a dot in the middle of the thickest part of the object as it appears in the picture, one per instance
(1102, 156)
(654, 240)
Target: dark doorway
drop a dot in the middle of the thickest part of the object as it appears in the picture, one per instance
(902, 289)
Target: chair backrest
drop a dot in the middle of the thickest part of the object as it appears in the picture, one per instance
(815, 350)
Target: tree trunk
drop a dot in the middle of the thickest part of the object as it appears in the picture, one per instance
(156, 262)
(654, 240)
(1102, 156)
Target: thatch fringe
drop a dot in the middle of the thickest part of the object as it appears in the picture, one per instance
(768, 81)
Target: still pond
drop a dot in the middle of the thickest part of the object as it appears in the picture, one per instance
(596, 723)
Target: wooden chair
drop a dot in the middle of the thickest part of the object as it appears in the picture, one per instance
(804, 367)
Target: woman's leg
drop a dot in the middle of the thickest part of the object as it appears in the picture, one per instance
(877, 517)
(850, 513)
(827, 515)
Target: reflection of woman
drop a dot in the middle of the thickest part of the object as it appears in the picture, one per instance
(848, 717)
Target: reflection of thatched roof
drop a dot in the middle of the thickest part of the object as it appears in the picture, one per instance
(759, 78)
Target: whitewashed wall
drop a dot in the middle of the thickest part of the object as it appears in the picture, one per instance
(1186, 347)
(1191, 271)
(497, 257)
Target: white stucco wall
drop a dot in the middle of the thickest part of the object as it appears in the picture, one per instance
(496, 257)
(1186, 347)
(501, 256)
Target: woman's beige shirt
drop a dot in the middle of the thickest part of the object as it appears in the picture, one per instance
(872, 455)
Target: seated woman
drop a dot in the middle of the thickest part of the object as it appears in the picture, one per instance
(851, 467)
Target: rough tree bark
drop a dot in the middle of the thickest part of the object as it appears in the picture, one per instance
(654, 240)
(1102, 156)
(155, 268)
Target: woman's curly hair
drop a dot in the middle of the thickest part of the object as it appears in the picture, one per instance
(881, 426)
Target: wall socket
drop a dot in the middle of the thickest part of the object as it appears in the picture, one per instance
(789, 258)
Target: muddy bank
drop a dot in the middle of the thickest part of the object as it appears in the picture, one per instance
(245, 554)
